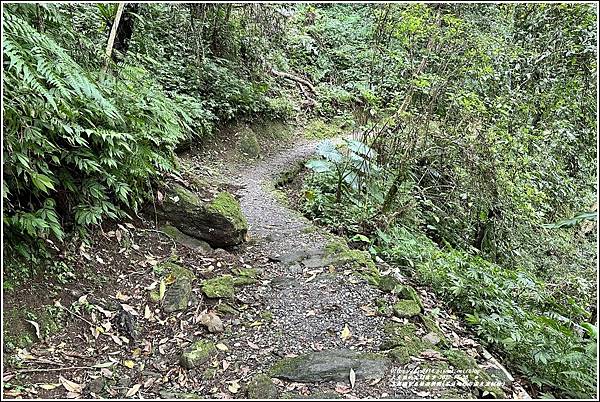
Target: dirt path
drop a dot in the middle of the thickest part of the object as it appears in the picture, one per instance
(303, 300)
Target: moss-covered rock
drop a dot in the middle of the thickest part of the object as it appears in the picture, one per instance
(200, 352)
(409, 293)
(219, 287)
(249, 145)
(261, 387)
(188, 241)
(225, 205)
(245, 276)
(219, 222)
(406, 308)
(432, 327)
(459, 359)
(177, 295)
(330, 365)
(388, 283)
(396, 334)
(340, 254)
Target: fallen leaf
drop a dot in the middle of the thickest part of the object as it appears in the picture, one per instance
(129, 309)
(233, 387)
(352, 378)
(147, 312)
(133, 390)
(37, 328)
(70, 385)
(103, 365)
(122, 297)
(346, 334)
(162, 289)
(222, 347)
(129, 363)
(49, 387)
(253, 345)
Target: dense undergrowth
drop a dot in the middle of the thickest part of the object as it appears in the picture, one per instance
(477, 141)
(471, 183)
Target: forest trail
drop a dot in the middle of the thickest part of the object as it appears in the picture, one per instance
(316, 304)
(302, 324)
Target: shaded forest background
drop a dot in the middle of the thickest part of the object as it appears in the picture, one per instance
(474, 168)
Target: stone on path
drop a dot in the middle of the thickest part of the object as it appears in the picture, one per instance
(219, 222)
(261, 387)
(199, 353)
(330, 365)
(177, 295)
(188, 241)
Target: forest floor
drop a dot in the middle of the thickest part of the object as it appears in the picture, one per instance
(301, 301)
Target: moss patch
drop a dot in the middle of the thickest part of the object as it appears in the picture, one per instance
(261, 387)
(406, 308)
(249, 144)
(224, 204)
(177, 271)
(219, 287)
(409, 293)
(197, 354)
(459, 359)
(432, 326)
(340, 254)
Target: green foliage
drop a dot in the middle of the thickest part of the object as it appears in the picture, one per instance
(80, 146)
(487, 134)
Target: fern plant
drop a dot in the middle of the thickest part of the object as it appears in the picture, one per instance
(80, 146)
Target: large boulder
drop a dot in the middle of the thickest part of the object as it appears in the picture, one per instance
(330, 365)
(219, 222)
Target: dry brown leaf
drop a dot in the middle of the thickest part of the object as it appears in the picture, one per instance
(346, 334)
(70, 385)
(133, 390)
(352, 377)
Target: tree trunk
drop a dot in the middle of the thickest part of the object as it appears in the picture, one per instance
(113, 32)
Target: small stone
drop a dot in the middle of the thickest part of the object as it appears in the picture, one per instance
(96, 385)
(432, 338)
(177, 296)
(261, 387)
(212, 322)
(406, 308)
(198, 353)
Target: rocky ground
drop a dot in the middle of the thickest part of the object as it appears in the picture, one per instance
(290, 313)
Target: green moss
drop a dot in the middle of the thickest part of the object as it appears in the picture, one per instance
(219, 287)
(249, 144)
(397, 334)
(388, 283)
(406, 308)
(409, 293)
(261, 387)
(198, 354)
(186, 195)
(318, 129)
(224, 204)
(154, 296)
(266, 315)
(177, 271)
(459, 359)
(341, 254)
(18, 333)
(432, 326)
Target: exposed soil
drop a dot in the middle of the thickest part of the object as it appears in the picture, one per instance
(294, 308)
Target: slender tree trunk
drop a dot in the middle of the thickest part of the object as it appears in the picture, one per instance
(125, 29)
(113, 33)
